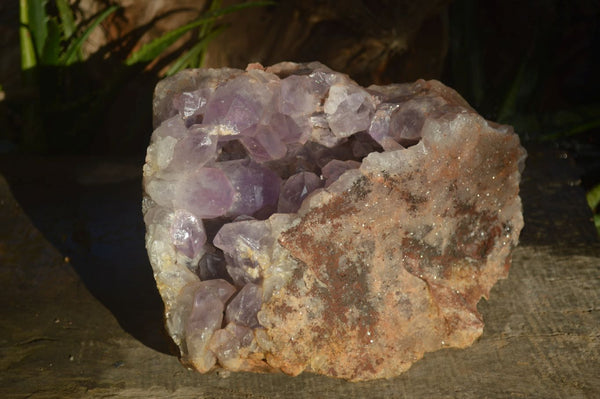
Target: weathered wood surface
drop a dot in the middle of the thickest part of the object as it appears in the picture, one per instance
(541, 339)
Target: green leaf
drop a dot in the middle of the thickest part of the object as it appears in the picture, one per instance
(67, 19)
(593, 197)
(156, 47)
(51, 51)
(522, 89)
(206, 28)
(572, 121)
(37, 23)
(584, 127)
(187, 59)
(28, 57)
(74, 47)
(509, 105)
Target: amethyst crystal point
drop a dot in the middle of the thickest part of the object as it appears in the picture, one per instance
(188, 233)
(205, 192)
(205, 317)
(298, 222)
(243, 308)
(255, 186)
(295, 189)
(198, 147)
(335, 168)
(348, 109)
(243, 244)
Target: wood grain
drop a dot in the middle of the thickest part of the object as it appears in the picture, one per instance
(541, 339)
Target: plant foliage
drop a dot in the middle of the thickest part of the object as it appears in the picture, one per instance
(193, 58)
(48, 40)
(67, 101)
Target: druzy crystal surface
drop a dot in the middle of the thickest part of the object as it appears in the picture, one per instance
(299, 222)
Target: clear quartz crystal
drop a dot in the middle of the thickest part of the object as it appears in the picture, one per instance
(188, 233)
(297, 221)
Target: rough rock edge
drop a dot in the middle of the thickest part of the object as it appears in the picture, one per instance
(172, 276)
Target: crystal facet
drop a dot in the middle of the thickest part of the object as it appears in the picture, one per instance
(299, 222)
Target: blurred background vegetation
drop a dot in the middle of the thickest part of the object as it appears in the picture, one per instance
(65, 92)
(76, 77)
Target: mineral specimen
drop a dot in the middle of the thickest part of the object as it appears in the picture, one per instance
(299, 222)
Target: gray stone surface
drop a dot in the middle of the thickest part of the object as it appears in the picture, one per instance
(541, 338)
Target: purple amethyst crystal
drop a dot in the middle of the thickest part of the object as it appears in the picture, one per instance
(240, 242)
(194, 150)
(188, 233)
(243, 308)
(335, 168)
(205, 318)
(295, 189)
(205, 192)
(256, 186)
(299, 222)
(191, 105)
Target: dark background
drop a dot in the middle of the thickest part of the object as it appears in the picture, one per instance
(530, 64)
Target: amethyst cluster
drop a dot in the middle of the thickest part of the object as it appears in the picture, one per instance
(288, 210)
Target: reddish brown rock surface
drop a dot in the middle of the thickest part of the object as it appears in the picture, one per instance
(395, 267)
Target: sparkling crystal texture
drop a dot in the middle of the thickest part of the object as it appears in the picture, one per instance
(299, 222)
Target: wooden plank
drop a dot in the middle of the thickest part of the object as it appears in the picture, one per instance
(541, 340)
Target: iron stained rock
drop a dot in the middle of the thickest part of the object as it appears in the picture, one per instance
(299, 222)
